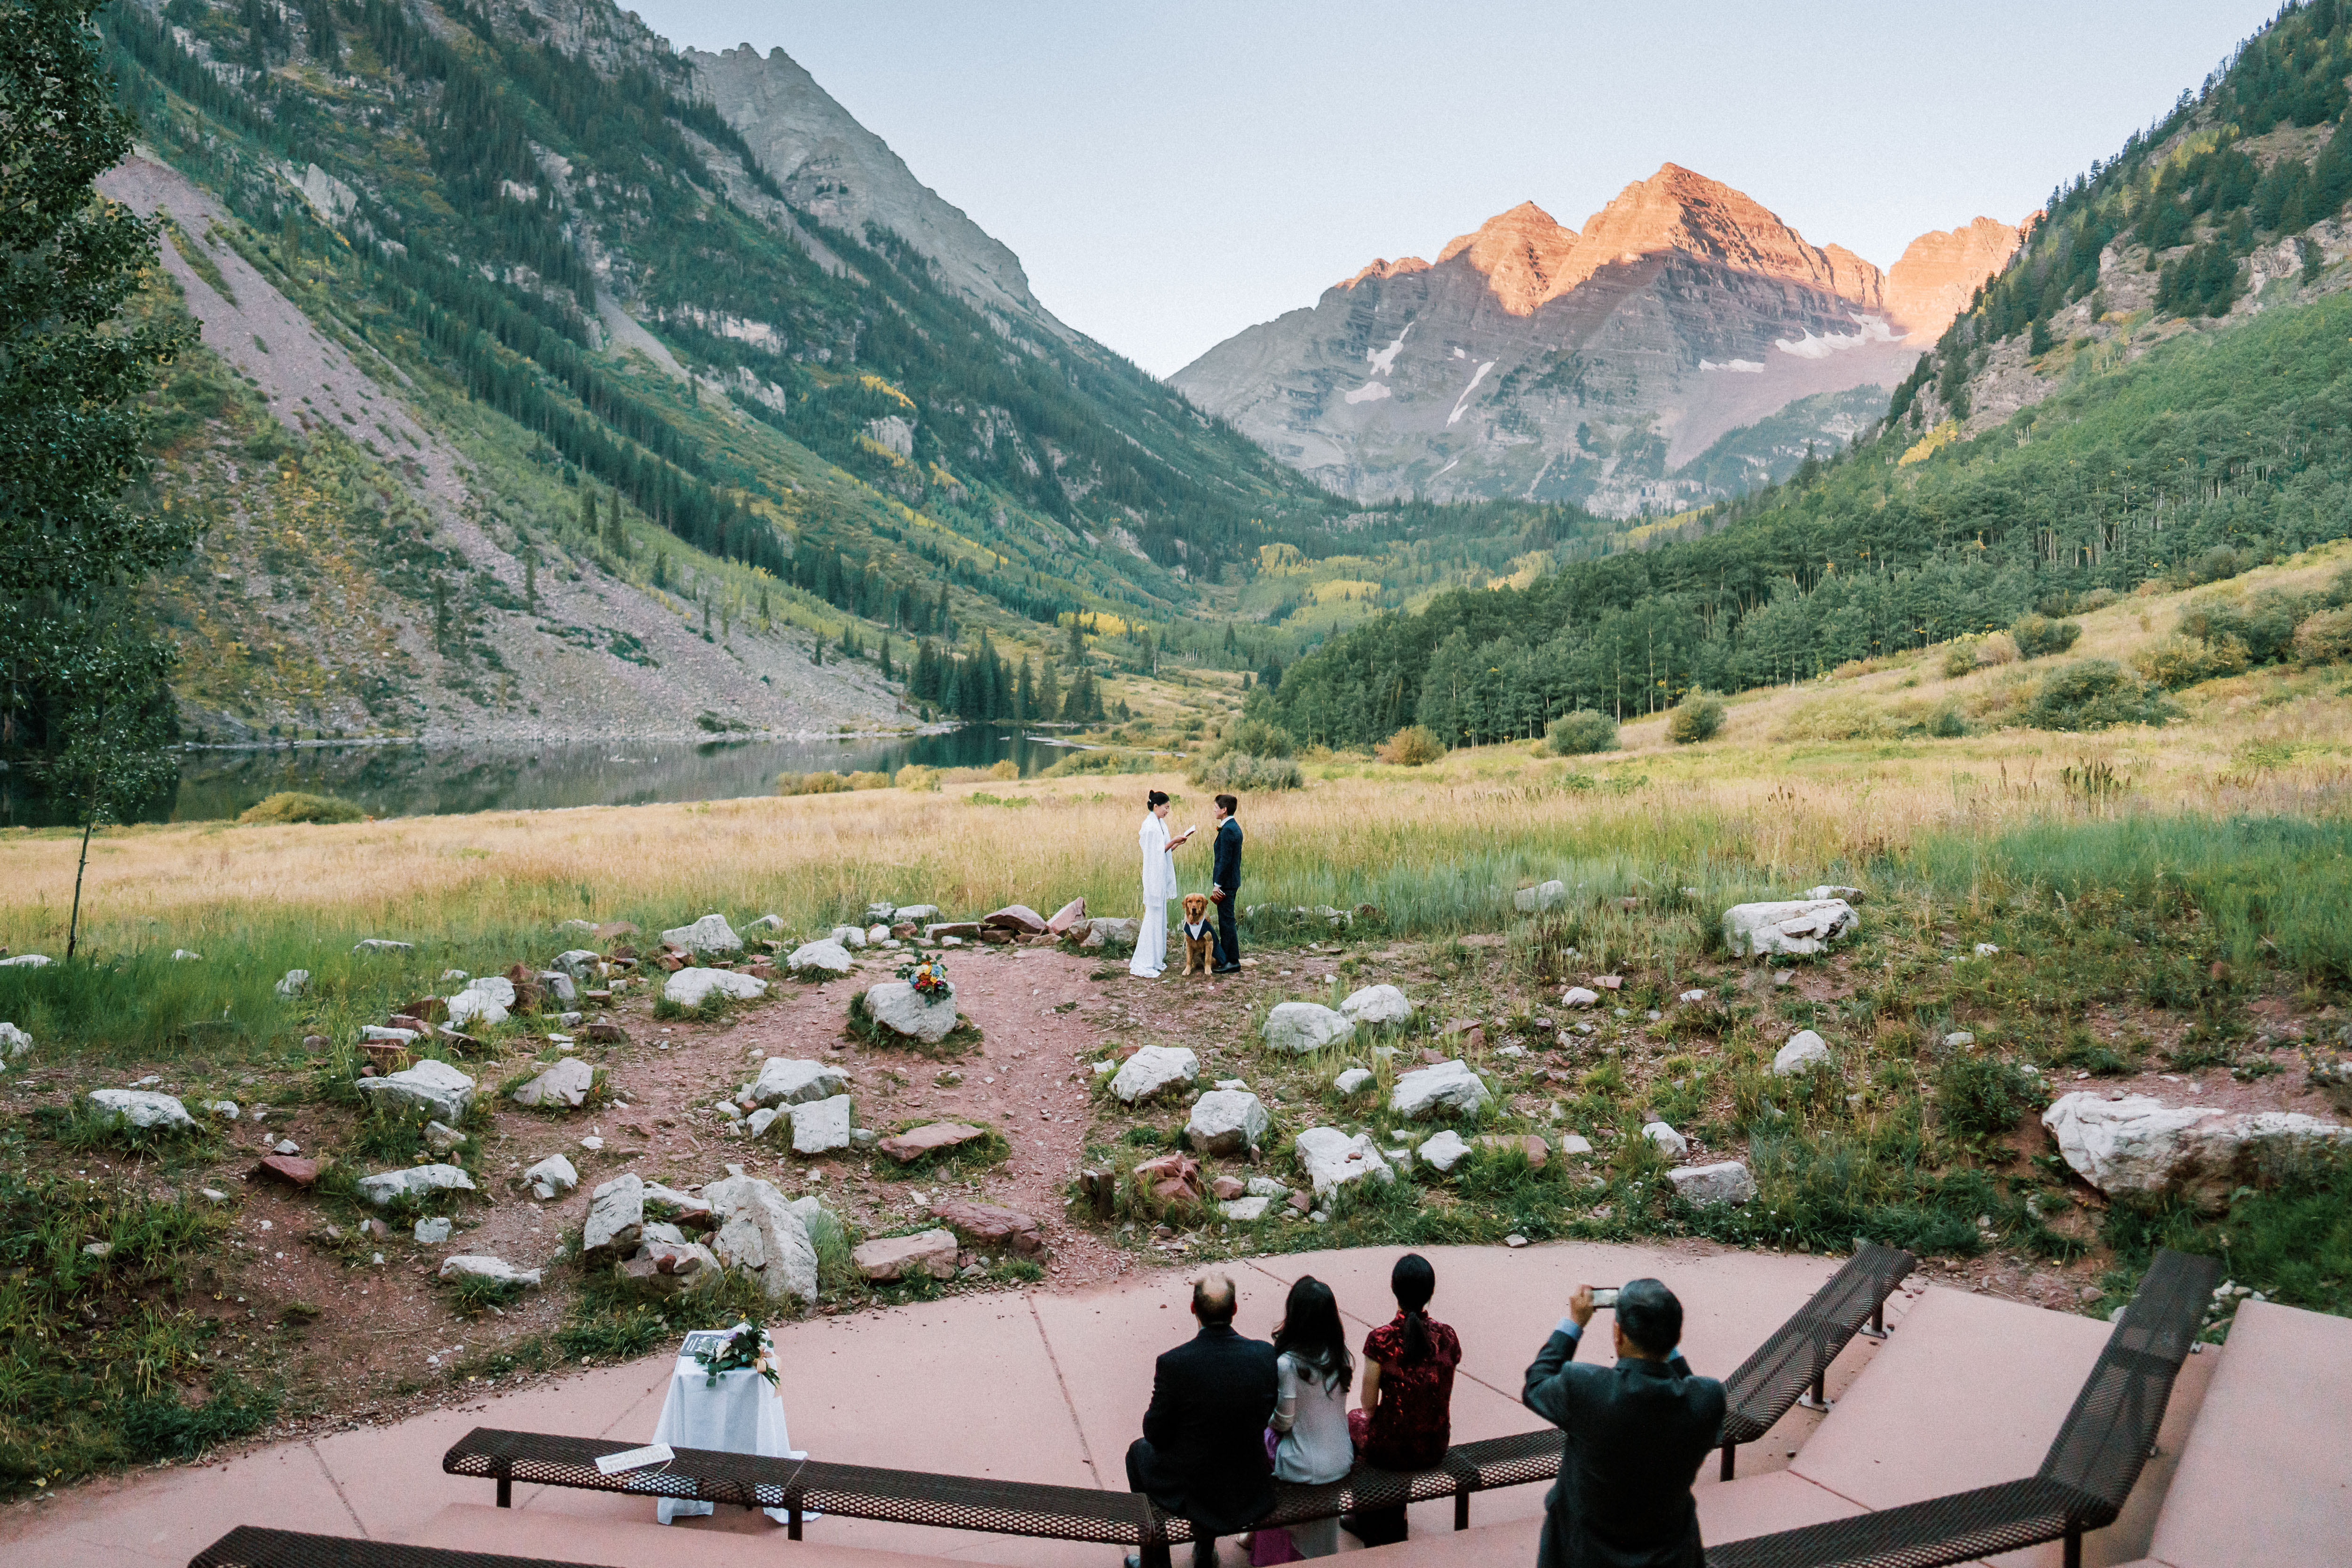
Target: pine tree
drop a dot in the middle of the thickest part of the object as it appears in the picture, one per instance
(587, 513)
(616, 541)
(887, 673)
(2037, 342)
(1078, 640)
(1048, 699)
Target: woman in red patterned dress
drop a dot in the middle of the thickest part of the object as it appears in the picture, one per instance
(1406, 1422)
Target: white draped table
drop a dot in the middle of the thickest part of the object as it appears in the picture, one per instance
(739, 1415)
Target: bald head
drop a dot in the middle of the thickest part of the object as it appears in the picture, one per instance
(1212, 1299)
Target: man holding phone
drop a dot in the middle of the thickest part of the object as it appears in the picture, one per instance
(1636, 1433)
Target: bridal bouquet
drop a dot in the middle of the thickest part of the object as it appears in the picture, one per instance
(929, 976)
(746, 1347)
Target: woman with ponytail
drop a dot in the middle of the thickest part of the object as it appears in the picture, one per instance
(1405, 1422)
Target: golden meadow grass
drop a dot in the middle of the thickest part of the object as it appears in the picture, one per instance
(1437, 847)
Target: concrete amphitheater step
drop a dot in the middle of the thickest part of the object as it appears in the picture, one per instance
(2265, 1476)
(731, 1539)
(1970, 1392)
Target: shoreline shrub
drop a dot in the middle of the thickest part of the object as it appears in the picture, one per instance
(293, 806)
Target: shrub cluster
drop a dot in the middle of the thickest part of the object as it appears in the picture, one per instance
(1697, 717)
(1580, 733)
(292, 805)
(1410, 747)
(2092, 694)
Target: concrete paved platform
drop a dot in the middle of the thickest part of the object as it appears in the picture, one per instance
(2267, 1476)
(1043, 1387)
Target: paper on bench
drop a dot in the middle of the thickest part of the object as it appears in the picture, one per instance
(635, 1458)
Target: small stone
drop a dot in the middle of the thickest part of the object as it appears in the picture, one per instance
(1226, 1188)
(142, 1109)
(909, 1147)
(437, 1138)
(593, 1142)
(288, 1145)
(1694, 995)
(1515, 1240)
(1153, 1070)
(1331, 1158)
(791, 1080)
(416, 1181)
(1538, 1152)
(432, 1232)
(1378, 1006)
(820, 961)
(294, 982)
(434, 1088)
(710, 934)
(383, 945)
(1445, 1151)
(98, 1250)
(1705, 1186)
(1666, 1138)
(551, 1177)
(933, 1252)
(1986, 950)
(475, 1266)
(294, 1172)
(693, 987)
(1805, 1051)
(821, 1126)
(1958, 1040)
(1224, 1121)
(1351, 1080)
(1449, 1087)
(1575, 1144)
(1302, 1026)
(989, 1224)
(1543, 896)
(1245, 1211)
(1015, 917)
(567, 1082)
(214, 1196)
(225, 1108)
(1579, 997)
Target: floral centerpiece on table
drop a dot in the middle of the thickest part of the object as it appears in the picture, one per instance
(929, 976)
(746, 1347)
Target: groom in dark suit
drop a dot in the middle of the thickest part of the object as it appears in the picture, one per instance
(1202, 1453)
(1225, 885)
(1636, 1435)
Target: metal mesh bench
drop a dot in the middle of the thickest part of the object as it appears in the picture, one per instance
(2084, 1479)
(1795, 1361)
(248, 1546)
(800, 1486)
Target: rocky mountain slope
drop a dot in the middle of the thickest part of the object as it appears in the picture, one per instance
(1536, 361)
(593, 415)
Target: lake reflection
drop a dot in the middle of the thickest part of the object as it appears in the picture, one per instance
(419, 781)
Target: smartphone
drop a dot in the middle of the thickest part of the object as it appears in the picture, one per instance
(1604, 1295)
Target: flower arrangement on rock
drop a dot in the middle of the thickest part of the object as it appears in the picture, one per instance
(746, 1347)
(929, 976)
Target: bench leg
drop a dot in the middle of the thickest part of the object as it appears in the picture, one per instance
(1877, 1328)
(1155, 1554)
(505, 1491)
(792, 1521)
(1728, 1462)
(2075, 1549)
(1462, 1509)
(1817, 1396)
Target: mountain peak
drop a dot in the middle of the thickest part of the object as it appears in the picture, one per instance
(1939, 272)
(1522, 252)
(1680, 209)
(1381, 267)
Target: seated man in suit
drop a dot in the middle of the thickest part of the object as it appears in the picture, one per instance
(1202, 1453)
(1637, 1433)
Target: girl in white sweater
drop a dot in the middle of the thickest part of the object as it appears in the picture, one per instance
(1314, 1372)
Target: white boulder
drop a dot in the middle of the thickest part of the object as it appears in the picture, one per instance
(848, 936)
(551, 1177)
(896, 1007)
(1245, 1211)
(567, 1082)
(484, 1001)
(1353, 1079)
(1447, 1089)
(617, 1217)
(432, 1087)
(820, 961)
(789, 1080)
(709, 934)
(2138, 1145)
(1152, 1069)
(579, 963)
(761, 1234)
(1443, 1151)
(1704, 1186)
(931, 1252)
(416, 1181)
(1377, 1006)
(479, 1266)
(693, 987)
(1672, 1143)
(1302, 1026)
(1331, 1159)
(767, 1116)
(142, 1108)
(294, 982)
(1798, 926)
(1226, 1122)
(382, 945)
(432, 1232)
(1579, 997)
(821, 1126)
(1805, 1051)
(1543, 896)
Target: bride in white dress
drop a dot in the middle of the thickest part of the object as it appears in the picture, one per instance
(1158, 887)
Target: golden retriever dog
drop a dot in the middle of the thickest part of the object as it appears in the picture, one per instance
(1198, 934)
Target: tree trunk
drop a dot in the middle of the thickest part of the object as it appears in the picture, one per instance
(73, 926)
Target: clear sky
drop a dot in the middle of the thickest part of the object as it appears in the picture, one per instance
(1170, 174)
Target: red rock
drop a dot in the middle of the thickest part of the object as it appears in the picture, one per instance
(1014, 917)
(671, 961)
(905, 1147)
(1301, 1200)
(623, 953)
(902, 930)
(1173, 1176)
(997, 936)
(986, 1224)
(293, 1170)
(1066, 917)
(1609, 982)
(385, 1056)
(605, 1034)
(1939, 272)
(1536, 1151)
(432, 1009)
(598, 996)
(458, 1040)
(405, 1021)
(1225, 1187)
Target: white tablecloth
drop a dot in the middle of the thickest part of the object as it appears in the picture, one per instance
(740, 1416)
